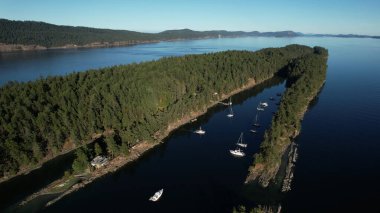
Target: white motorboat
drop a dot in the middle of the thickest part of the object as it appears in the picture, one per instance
(260, 108)
(156, 195)
(237, 152)
(200, 131)
(240, 141)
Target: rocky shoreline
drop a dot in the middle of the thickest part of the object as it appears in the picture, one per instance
(292, 158)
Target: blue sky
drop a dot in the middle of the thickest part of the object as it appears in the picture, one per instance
(307, 16)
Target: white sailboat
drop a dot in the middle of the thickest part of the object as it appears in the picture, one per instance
(200, 131)
(260, 108)
(263, 104)
(256, 123)
(231, 113)
(253, 130)
(237, 152)
(240, 141)
(156, 195)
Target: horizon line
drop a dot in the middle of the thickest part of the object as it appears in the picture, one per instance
(185, 28)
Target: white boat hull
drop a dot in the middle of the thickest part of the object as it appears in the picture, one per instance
(237, 153)
(156, 195)
(200, 132)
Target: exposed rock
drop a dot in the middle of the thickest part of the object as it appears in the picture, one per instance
(19, 47)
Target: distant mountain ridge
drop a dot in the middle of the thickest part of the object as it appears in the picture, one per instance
(224, 33)
(342, 35)
(33, 35)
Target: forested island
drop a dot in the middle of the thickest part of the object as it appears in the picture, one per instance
(32, 35)
(133, 103)
(306, 75)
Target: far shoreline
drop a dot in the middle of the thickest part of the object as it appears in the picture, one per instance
(18, 48)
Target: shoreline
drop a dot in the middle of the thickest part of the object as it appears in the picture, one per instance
(137, 150)
(14, 48)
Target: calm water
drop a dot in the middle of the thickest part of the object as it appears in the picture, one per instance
(339, 150)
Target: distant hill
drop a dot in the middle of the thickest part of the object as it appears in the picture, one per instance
(31, 35)
(48, 35)
(223, 33)
(342, 35)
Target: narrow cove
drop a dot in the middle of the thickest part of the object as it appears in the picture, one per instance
(187, 161)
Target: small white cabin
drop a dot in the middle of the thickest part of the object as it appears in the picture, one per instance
(99, 161)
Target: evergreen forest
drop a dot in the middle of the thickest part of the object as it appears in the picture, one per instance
(43, 118)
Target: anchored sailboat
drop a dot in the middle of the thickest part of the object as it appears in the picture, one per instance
(231, 113)
(230, 102)
(253, 130)
(260, 108)
(240, 141)
(200, 131)
(237, 152)
(263, 104)
(256, 123)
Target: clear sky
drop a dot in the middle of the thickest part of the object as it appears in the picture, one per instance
(307, 16)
